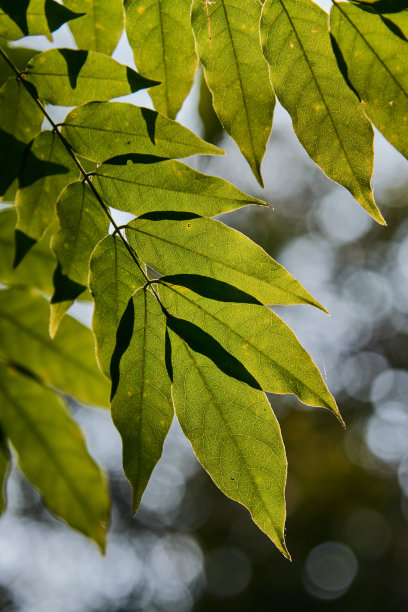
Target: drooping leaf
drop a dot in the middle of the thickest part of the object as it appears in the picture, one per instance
(37, 267)
(113, 278)
(52, 454)
(67, 362)
(257, 337)
(142, 408)
(102, 130)
(20, 18)
(327, 117)
(172, 243)
(227, 37)
(163, 49)
(83, 223)
(20, 122)
(66, 291)
(377, 63)
(101, 27)
(46, 171)
(235, 435)
(212, 127)
(4, 470)
(139, 188)
(73, 76)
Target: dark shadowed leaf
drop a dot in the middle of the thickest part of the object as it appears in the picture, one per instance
(66, 291)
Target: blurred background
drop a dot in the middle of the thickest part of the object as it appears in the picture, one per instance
(190, 548)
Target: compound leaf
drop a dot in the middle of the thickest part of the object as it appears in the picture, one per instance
(73, 76)
(139, 188)
(227, 36)
(20, 18)
(102, 130)
(234, 434)
(327, 117)
(172, 243)
(52, 454)
(163, 48)
(377, 65)
(113, 278)
(67, 362)
(141, 405)
(101, 27)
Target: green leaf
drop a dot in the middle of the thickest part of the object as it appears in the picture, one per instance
(377, 63)
(52, 454)
(210, 248)
(83, 223)
(4, 470)
(255, 336)
(71, 76)
(113, 278)
(163, 48)
(68, 362)
(37, 267)
(327, 117)
(46, 171)
(235, 436)
(142, 408)
(101, 27)
(20, 121)
(66, 291)
(227, 37)
(102, 130)
(139, 188)
(20, 56)
(394, 14)
(20, 18)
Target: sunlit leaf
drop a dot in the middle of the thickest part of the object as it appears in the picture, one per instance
(68, 362)
(138, 188)
(377, 64)
(20, 18)
(113, 278)
(227, 36)
(101, 27)
(327, 117)
(254, 335)
(102, 130)
(173, 243)
(83, 223)
(163, 49)
(66, 291)
(73, 76)
(37, 267)
(20, 56)
(235, 436)
(46, 171)
(52, 454)
(142, 408)
(20, 122)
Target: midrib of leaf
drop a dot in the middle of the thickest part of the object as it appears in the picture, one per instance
(249, 125)
(378, 57)
(45, 445)
(233, 438)
(320, 93)
(246, 340)
(223, 263)
(142, 386)
(166, 85)
(30, 332)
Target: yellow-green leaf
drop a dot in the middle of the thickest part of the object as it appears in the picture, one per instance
(100, 28)
(377, 66)
(20, 18)
(52, 454)
(159, 32)
(73, 76)
(327, 117)
(234, 434)
(142, 408)
(227, 36)
(173, 243)
(102, 130)
(139, 188)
